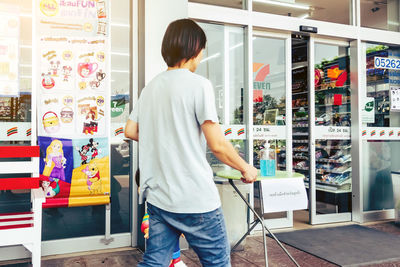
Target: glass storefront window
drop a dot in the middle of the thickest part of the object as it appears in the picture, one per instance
(330, 11)
(383, 81)
(15, 90)
(224, 3)
(383, 15)
(379, 158)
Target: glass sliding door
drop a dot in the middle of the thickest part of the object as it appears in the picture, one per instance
(330, 162)
(271, 93)
(223, 64)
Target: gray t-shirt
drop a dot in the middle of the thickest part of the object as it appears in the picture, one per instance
(174, 173)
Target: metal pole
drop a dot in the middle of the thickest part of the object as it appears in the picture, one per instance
(262, 223)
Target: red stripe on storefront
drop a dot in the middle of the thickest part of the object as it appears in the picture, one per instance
(55, 203)
(19, 151)
(16, 219)
(16, 226)
(18, 183)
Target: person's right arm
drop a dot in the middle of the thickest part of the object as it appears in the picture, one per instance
(132, 130)
(225, 152)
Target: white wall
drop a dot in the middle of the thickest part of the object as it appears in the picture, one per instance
(157, 15)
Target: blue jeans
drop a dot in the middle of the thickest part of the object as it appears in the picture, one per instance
(205, 233)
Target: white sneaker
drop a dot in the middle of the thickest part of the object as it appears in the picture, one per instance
(180, 264)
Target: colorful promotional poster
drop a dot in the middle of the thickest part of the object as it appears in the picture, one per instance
(74, 80)
(74, 172)
(9, 51)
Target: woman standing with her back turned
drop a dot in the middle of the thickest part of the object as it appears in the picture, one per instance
(176, 118)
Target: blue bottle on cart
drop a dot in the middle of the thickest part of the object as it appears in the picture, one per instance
(267, 161)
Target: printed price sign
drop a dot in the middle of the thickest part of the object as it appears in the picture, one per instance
(387, 63)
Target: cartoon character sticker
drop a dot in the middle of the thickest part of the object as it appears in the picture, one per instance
(47, 81)
(93, 178)
(56, 64)
(48, 190)
(83, 153)
(58, 115)
(55, 161)
(51, 123)
(90, 115)
(86, 69)
(91, 65)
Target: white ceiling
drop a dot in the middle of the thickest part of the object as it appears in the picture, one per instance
(337, 11)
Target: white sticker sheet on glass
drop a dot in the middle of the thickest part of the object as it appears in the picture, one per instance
(90, 65)
(56, 65)
(57, 114)
(91, 115)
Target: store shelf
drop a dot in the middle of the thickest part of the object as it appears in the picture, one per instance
(332, 89)
(300, 157)
(301, 64)
(300, 149)
(301, 168)
(333, 161)
(334, 147)
(300, 93)
(300, 126)
(329, 189)
(300, 134)
(334, 171)
(330, 105)
(301, 119)
(295, 108)
(300, 141)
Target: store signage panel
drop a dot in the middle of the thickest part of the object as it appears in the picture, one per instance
(394, 98)
(368, 110)
(332, 132)
(234, 132)
(380, 133)
(269, 132)
(73, 91)
(386, 63)
(284, 194)
(9, 51)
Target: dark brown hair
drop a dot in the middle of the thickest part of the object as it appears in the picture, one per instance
(183, 40)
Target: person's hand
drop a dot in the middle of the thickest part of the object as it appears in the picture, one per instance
(249, 174)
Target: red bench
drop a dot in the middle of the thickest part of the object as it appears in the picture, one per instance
(22, 228)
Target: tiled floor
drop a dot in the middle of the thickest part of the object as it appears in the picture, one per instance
(252, 255)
